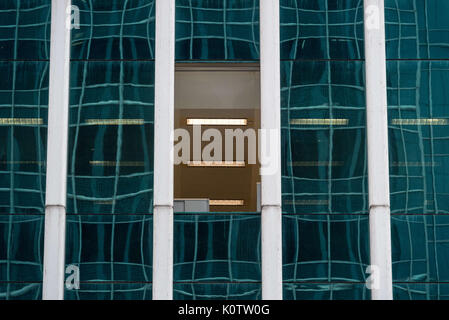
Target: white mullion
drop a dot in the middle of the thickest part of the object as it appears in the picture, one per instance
(270, 126)
(163, 150)
(56, 180)
(377, 140)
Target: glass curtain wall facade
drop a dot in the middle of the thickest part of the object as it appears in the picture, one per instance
(417, 39)
(324, 163)
(217, 255)
(24, 66)
(110, 165)
(323, 139)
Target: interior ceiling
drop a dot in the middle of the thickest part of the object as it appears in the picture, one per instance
(215, 92)
(214, 87)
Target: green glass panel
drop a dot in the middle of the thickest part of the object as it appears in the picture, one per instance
(114, 29)
(110, 178)
(325, 254)
(326, 291)
(420, 291)
(418, 130)
(417, 36)
(217, 30)
(323, 247)
(21, 256)
(24, 50)
(218, 249)
(217, 291)
(420, 250)
(417, 29)
(25, 29)
(111, 138)
(324, 165)
(104, 290)
(321, 29)
(113, 253)
(323, 137)
(21, 291)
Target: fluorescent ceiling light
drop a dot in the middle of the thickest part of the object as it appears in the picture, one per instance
(325, 122)
(226, 202)
(217, 122)
(228, 164)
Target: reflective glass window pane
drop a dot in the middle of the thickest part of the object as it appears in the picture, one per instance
(217, 255)
(114, 256)
(325, 256)
(217, 30)
(114, 29)
(24, 44)
(417, 29)
(25, 29)
(110, 173)
(111, 137)
(217, 291)
(320, 29)
(419, 128)
(418, 132)
(323, 137)
(324, 165)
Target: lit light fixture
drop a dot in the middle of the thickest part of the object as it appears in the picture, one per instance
(324, 122)
(217, 164)
(226, 202)
(420, 122)
(217, 122)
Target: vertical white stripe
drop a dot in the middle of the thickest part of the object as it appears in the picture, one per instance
(58, 110)
(271, 172)
(377, 139)
(163, 150)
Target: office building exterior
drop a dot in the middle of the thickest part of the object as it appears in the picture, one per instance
(87, 184)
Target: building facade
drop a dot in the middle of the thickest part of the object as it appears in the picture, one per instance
(113, 174)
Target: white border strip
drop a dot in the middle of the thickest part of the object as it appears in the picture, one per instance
(163, 150)
(377, 139)
(271, 122)
(58, 111)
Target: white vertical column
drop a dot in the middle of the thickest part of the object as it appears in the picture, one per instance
(163, 151)
(58, 111)
(377, 139)
(270, 171)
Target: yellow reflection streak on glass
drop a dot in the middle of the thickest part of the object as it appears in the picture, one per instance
(324, 122)
(114, 163)
(114, 122)
(421, 122)
(20, 121)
